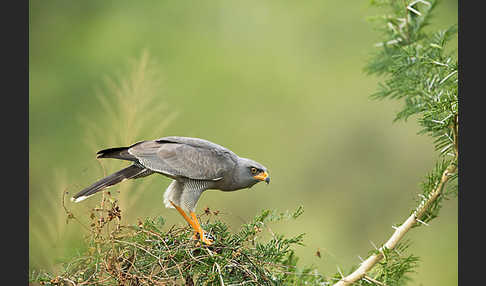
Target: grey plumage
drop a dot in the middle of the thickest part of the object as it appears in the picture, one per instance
(194, 164)
(185, 193)
(129, 172)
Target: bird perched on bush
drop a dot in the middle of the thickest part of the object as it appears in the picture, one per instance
(194, 164)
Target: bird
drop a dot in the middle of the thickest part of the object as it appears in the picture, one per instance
(193, 164)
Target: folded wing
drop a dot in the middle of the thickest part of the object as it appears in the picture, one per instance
(180, 157)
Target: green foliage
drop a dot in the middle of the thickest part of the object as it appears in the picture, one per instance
(429, 185)
(394, 267)
(419, 71)
(146, 254)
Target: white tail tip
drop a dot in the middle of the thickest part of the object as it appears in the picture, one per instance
(82, 198)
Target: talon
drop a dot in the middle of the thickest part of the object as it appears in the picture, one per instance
(203, 236)
(207, 238)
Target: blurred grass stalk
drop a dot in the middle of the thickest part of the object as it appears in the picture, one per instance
(133, 112)
(47, 225)
(133, 108)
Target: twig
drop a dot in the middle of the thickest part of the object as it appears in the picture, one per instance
(219, 272)
(69, 214)
(374, 280)
(68, 280)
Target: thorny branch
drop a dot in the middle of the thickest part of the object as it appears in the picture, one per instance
(398, 86)
(400, 231)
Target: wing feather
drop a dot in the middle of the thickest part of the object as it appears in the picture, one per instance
(186, 157)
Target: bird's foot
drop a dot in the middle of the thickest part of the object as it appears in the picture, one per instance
(204, 236)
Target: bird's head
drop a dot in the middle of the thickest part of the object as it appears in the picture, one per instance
(250, 172)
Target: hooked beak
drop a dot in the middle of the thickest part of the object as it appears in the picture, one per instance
(263, 176)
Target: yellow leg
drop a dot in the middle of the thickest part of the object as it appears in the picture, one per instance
(201, 232)
(194, 223)
(185, 216)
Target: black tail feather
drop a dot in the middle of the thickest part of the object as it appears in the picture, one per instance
(117, 153)
(115, 178)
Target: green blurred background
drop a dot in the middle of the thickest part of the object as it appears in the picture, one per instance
(281, 82)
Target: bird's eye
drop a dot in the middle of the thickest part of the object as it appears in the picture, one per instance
(253, 170)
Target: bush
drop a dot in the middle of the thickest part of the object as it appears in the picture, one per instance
(145, 254)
